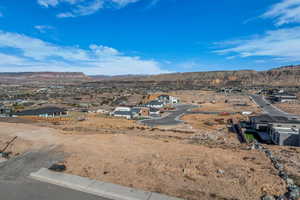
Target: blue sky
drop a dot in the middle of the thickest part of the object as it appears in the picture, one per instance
(113, 37)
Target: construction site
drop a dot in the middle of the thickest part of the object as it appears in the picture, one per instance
(200, 157)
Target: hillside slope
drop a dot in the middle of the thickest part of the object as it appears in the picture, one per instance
(32, 77)
(283, 76)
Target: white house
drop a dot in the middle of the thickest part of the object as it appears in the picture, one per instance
(155, 104)
(128, 109)
(174, 100)
(166, 99)
(124, 114)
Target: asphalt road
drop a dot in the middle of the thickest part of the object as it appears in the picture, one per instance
(269, 108)
(15, 184)
(172, 118)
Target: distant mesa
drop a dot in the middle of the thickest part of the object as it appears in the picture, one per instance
(27, 77)
(282, 76)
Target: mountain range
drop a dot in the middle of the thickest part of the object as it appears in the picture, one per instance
(282, 76)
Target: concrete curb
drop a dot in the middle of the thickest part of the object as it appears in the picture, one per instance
(98, 188)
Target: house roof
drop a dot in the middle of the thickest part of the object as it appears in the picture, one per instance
(154, 109)
(285, 95)
(124, 113)
(155, 103)
(286, 130)
(41, 111)
(164, 96)
(272, 119)
(136, 110)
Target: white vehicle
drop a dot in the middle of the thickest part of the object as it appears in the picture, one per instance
(246, 113)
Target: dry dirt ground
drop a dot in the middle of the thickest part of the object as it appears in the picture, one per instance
(212, 101)
(212, 129)
(290, 107)
(290, 156)
(198, 159)
(170, 167)
(293, 108)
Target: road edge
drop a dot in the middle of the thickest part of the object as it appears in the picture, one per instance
(98, 188)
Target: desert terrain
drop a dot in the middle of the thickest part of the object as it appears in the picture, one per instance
(290, 107)
(150, 164)
(199, 158)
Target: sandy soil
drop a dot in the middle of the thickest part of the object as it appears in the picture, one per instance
(210, 122)
(95, 124)
(212, 129)
(212, 101)
(293, 108)
(198, 159)
(173, 168)
(290, 157)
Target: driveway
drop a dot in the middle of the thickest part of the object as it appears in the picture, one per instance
(15, 184)
(269, 108)
(172, 118)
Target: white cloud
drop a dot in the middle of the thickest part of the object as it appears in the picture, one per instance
(54, 3)
(284, 12)
(282, 44)
(38, 49)
(84, 7)
(47, 3)
(152, 4)
(188, 65)
(83, 10)
(38, 55)
(43, 28)
(123, 3)
(65, 15)
(103, 50)
(6, 59)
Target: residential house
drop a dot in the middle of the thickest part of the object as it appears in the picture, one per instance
(102, 111)
(285, 136)
(4, 111)
(43, 112)
(123, 109)
(283, 97)
(263, 122)
(166, 99)
(155, 104)
(136, 112)
(281, 130)
(144, 112)
(154, 112)
(124, 114)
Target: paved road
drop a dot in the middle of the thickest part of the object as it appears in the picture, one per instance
(15, 184)
(172, 118)
(269, 108)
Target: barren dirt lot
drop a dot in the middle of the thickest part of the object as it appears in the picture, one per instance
(198, 159)
(290, 157)
(212, 101)
(212, 129)
(95, 123)
(183, 170)
(210, 122)
(293, 108)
